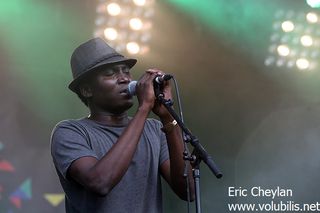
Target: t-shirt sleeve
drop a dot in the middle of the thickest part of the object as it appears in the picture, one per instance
(164, 152)
(69, 143)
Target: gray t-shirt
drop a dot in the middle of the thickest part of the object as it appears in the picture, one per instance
(139, 189)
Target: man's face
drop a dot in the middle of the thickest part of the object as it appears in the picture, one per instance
(109, 89)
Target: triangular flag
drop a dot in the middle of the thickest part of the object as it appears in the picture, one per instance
(54, 199)
(1, 146)
(24, 190)
(6, 166)
(16, 201)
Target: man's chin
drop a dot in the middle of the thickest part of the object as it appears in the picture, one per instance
(126, 106)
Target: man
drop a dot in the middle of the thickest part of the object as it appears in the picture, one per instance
(109, 162)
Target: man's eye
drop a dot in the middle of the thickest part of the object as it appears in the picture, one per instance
(127, 71)
(109, 72)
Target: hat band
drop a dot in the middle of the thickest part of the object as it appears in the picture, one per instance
(102, 59)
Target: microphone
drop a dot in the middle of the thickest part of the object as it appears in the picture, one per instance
(160, 79)
(132, 88)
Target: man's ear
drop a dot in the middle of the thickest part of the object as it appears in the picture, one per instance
(85, 90)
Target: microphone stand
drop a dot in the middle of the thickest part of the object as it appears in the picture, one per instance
(198, 154)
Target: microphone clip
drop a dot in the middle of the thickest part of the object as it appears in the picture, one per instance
(158, 84)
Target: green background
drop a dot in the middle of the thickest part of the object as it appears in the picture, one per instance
(260, 124)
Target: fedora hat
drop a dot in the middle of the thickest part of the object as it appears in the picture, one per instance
(90, 55)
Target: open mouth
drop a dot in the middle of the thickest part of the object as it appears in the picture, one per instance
(124, 91)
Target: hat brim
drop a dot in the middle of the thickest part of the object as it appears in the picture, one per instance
(73, 86)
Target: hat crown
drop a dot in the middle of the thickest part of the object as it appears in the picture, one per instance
(92, 54)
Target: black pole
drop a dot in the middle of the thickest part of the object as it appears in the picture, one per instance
(196, 177)
(199, 153)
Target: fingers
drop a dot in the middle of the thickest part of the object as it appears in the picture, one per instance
(155, 70)
(148, 77)
(145, 86)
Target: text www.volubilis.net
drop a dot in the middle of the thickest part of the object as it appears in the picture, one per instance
(288, 206)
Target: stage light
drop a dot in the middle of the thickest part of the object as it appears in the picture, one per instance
(136, 24)
(126, 25)
(114, 9)
(314, 3)
(312, 17)
(140, 2)
(110, 33)
(306, 40)
(133, 48)
(295, 41)
(302, 63)
(283, 50)
(287, 26)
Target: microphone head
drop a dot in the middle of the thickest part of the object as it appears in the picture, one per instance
(160, 79)
(132, 88)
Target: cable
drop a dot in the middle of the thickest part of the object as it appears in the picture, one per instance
(186, 150)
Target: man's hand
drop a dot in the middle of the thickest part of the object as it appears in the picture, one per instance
(145, 91)
(158, 108)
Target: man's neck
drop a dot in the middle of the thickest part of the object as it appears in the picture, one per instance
(110, 119)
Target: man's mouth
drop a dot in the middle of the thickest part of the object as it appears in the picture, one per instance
(124, 91)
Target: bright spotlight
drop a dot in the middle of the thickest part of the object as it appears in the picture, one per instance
(140, 2)
(294, 42)
(136, 24)
(114, 9)
(306, 40)
(302, 63)
(312, 17)
(133, 48)
(110, 34)
(283, 50)
(313, 3)
(125, 24)
(287, 26)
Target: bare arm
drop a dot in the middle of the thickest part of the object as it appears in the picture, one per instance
(173, 169)
(100, 176)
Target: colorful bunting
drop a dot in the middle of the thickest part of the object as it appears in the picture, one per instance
(54, 199)
(6, 166)
(22, 193)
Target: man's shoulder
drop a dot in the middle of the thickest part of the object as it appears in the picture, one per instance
(153, 121)
(71, 123)
(153, 125)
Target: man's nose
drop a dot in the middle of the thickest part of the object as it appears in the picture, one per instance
(123, 76)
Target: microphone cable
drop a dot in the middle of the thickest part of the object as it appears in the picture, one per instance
(186, 149)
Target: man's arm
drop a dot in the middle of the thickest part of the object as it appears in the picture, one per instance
(100, 176)
(173, 169)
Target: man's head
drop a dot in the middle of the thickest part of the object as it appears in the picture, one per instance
(91, 55)
(91, 58)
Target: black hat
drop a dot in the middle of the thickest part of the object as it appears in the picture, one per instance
(90, 55)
